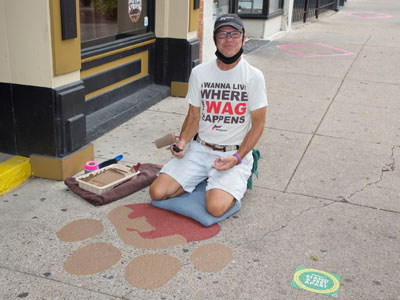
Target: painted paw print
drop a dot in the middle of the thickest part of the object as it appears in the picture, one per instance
(144, 226)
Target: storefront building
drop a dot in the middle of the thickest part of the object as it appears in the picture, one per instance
(262, 18)
(72, 70)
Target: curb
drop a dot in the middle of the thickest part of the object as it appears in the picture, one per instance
(13, 172)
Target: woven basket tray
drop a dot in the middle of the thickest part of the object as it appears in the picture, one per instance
(105, 179)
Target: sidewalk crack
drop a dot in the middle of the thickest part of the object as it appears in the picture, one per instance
(295, 217)
(286, 224)
(387, 167)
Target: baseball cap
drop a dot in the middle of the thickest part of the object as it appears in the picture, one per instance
(232, 20)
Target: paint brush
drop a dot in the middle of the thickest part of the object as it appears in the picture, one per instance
(110, 161)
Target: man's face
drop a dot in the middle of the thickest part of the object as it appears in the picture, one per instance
(228, 46)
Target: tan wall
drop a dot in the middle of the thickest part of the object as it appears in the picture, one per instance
(208, 28)
(26, 54)
(25, 45)
(5, 75)
(29, 45)
(172, 19)
(66, 79)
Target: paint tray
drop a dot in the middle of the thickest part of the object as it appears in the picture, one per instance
(105, 179)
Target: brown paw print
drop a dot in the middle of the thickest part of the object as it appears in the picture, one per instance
(144, 226)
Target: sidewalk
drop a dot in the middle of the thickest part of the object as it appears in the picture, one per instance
(327, 198)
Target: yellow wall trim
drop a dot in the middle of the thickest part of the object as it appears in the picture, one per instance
(67, 53)
(60, 168)
(144, 61)
(179, 89)
(113, 64)
(118, 51)
(112, 86)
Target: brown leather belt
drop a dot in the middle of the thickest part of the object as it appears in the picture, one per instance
(223, 148)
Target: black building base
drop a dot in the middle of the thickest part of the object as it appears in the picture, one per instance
(56, 122)
(111, 116)
(175, 59)
(41, 120)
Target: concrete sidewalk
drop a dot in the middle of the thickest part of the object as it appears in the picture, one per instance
(327, 198)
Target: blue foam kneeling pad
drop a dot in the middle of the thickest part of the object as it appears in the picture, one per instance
(193, 205)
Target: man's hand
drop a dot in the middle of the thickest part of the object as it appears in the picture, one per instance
(178, 149)
(225, 163)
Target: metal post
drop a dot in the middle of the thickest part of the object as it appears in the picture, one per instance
(316, 9)
(265, 9)
(336, 5)
(233, 7)
(306, 5)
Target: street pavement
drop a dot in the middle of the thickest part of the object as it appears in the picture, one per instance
(327, 196)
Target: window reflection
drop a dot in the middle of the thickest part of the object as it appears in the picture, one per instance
(98, 18)
(107, 20)
(275, 5)
(255, 7)
(250, 6)
(221, 7)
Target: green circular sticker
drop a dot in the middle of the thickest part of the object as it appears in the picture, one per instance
(316, 281)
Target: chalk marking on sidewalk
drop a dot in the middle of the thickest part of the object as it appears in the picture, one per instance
(373, 15)
(324, 115)
(339, 52)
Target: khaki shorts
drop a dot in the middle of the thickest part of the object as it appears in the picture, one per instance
(196, 166)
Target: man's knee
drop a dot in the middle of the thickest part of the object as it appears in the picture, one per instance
(215, 209)
(218, 202)
(156, 192)
(164, 187)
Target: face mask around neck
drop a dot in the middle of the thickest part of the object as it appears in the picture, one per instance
(229, 60)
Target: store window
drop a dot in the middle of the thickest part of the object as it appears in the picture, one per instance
(250, 6)
(221, 7)
(275, 6)
(258, 8)
(107, 20)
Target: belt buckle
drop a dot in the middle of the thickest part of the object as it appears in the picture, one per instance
(222, 148)
(212, 146)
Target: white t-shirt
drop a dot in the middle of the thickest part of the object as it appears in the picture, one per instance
(226, 99)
